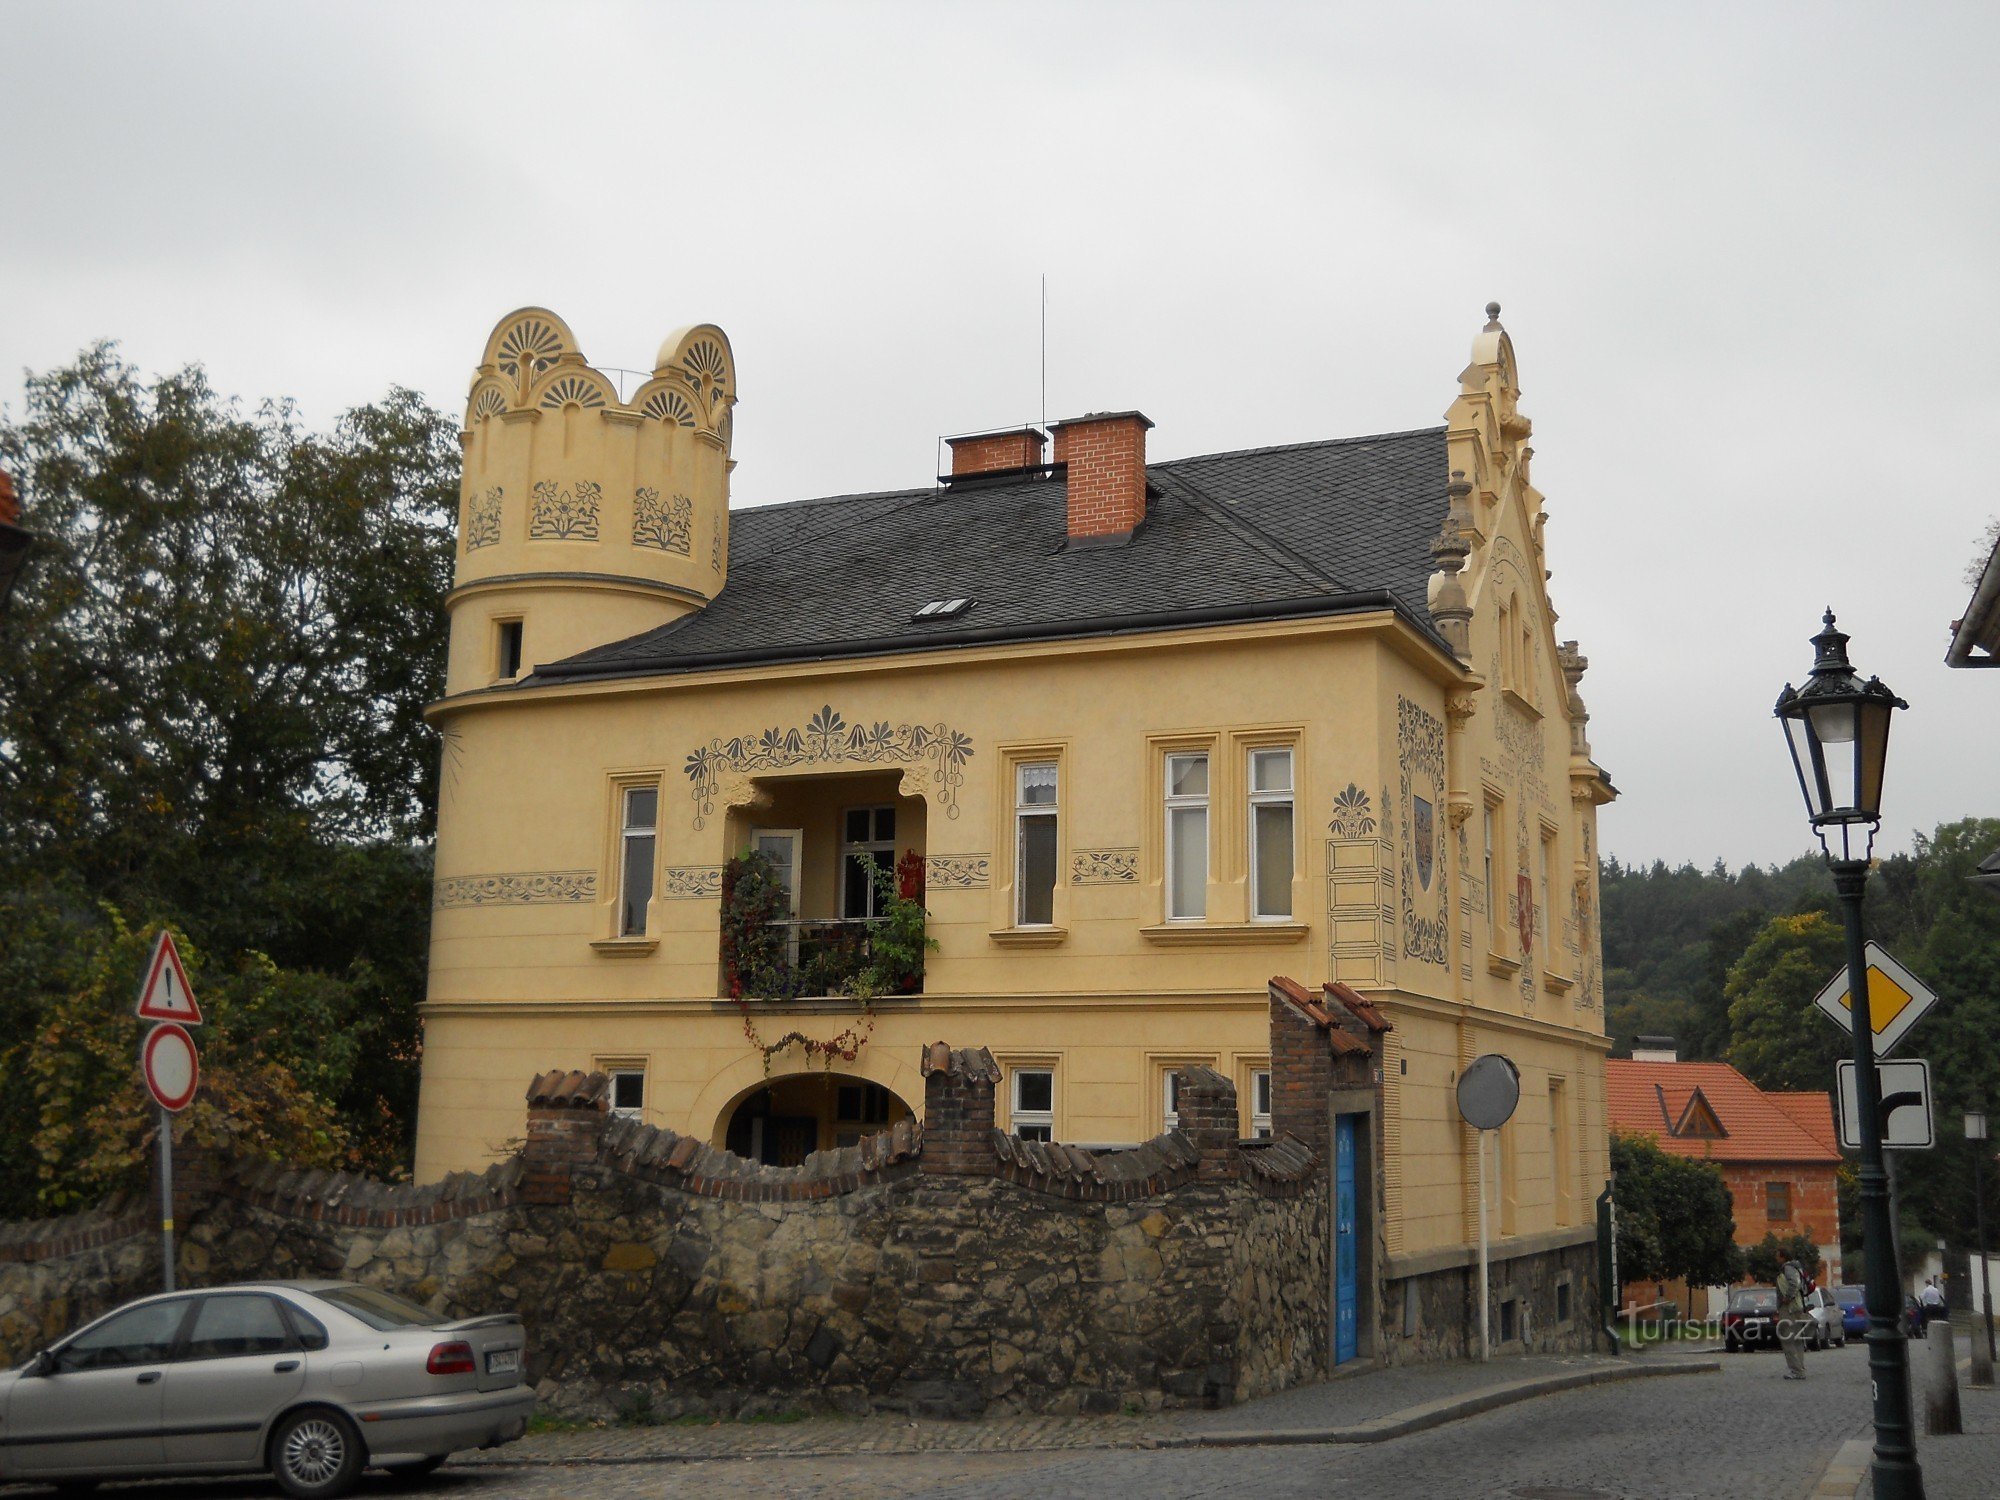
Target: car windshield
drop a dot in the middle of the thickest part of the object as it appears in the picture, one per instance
(381, 1311)
(1758, 1300)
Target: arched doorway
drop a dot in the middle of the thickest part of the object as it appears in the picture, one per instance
(786, 1119)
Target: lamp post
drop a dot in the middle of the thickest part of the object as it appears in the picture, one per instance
(1837, 728)
(1975, 1131)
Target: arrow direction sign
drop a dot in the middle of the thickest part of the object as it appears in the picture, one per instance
(165, 995)
(1906, 1105)
(1897, 1000)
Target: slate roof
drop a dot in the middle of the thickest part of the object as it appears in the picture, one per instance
(1648, 1098)
(1313, 528)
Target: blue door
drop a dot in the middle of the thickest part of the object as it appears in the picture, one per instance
(1344, 1248)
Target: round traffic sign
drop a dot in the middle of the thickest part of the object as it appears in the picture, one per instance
(173, 1068)
(1488, 1091)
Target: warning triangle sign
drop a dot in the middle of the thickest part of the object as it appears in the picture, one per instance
(165, 996)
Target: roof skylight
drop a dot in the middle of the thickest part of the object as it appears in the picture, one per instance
(943, 609)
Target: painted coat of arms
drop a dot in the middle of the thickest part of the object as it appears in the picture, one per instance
(1420, 760)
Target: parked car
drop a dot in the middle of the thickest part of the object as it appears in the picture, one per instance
(1751, 1318)
(311, 1380)
(1853, 1302)
(1828, 1330)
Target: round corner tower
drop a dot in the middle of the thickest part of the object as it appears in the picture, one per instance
(584, 519)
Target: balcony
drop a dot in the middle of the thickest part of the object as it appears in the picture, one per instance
(806, 957)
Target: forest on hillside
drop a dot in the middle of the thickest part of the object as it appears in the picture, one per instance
(1728, 962)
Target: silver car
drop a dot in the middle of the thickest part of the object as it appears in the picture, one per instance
(311, 1380)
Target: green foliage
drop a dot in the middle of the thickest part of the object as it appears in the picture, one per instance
(259, 1063)
(753, 944)
(1675, 1217)
(1760, 1261)
(212, 680)
(1778, 1038)
(885, 957)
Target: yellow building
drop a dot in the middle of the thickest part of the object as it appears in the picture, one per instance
(1159, 731)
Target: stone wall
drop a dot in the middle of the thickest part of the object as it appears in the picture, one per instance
(1431, 1312)
(946, 1269)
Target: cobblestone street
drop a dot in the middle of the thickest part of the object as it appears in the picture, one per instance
(1740, 1434)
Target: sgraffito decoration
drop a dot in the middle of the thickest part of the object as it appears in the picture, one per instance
(1104, 867)
(1420, 759)
(566, 513)
(691, 882)
(669, 406)
(958, 872)
(715, 545)
(1353, 818)
(517, 888)
(828, 737)
(667, 524)
(482, 519)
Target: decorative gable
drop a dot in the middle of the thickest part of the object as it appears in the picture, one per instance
(1699, 1121)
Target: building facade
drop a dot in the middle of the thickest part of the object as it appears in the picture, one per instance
(1139, 735)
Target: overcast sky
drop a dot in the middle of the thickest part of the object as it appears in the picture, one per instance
(1747, 255)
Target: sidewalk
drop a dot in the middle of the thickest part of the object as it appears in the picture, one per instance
(1366, 1406)
(1955, 1468)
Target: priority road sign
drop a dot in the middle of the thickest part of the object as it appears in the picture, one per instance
(173, 1068)
(1905, 1085)
(164, 995)
(1897, 999)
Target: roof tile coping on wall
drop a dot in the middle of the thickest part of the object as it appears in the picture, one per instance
(1282, 1167)
(118, 1217)
(656, 1154)
(329, 1197)
(1359, 1006)
(973, 1063)
(1343, 1042)
(571, 1089)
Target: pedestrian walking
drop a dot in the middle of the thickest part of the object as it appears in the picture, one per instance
(1932, 1300)
(1792, 1315)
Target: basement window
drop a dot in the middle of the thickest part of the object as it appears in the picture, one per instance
(943, 609)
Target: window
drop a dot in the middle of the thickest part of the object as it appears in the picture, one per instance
(641, 812)
(1187, 837)
(628, 1093)
(1260, 1103)
(1493, 906)
(137, 1336)
(1032, 1104)
(1559, 1150)
(1506, 634)
(1562, 1302)
(507, 649)
(226, 1327)
(1270, 833)
(1171, 1092)
(1545, 892)
(1778, 1201)
(1035, 789)
(866, 833)
(378, 1309)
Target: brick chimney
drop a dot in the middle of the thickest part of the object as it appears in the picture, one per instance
(1106, 455)
(995, 452)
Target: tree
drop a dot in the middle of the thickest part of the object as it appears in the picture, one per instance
(1760, 1261)
(1675, 1215)
(212, 685)
(1778, 1038)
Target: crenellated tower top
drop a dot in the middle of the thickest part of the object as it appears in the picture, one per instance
(585, 517)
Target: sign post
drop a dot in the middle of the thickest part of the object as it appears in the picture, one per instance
(1488, 1091)
(172, 1068)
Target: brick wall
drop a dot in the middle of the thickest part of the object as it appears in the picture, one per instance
(1106, 458)
(990, 452)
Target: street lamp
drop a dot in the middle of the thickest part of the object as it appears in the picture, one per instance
(1975, 1130)
(1837, 728)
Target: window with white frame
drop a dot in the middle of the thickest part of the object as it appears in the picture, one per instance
(1260, 1103)
(1035, 789)
(1271, 857)
(1031, 1108)
(1187, 836)
(1496, 910)
(628, 1092)
(639, 823)
(1170, 1092)
(1545, 890)
(865, 833)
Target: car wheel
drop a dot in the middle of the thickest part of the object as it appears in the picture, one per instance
(1731, 1345)
(316, 1454)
